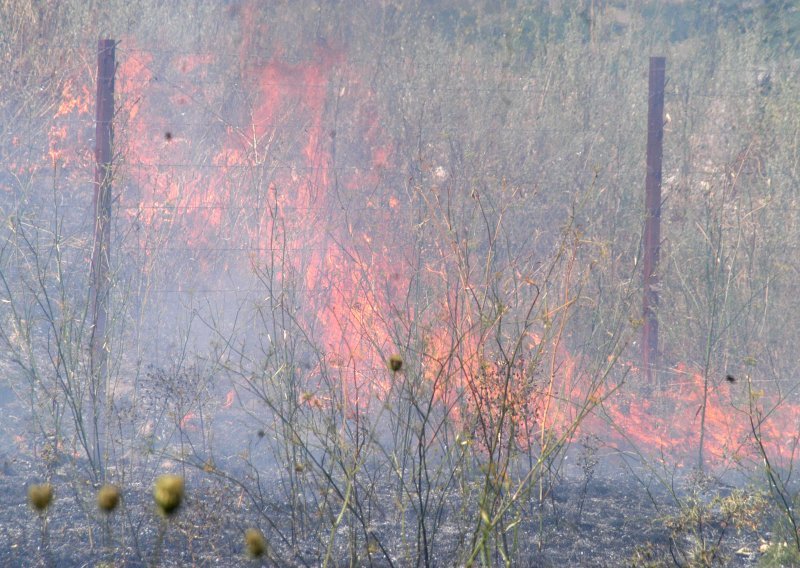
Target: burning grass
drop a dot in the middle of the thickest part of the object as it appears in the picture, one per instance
(407, 380)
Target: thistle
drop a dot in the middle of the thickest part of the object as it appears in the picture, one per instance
(255, 542)
(108, 498)
(40, 496)
(395, 363)
(168, 493)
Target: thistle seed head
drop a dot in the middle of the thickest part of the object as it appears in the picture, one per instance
(168, 493)
(108, 498)
(255, 542)
(395, 363)
(40, 496)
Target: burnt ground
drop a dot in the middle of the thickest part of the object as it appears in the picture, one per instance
(598, 508)
(612, 517)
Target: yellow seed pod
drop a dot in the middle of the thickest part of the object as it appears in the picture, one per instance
(168, 493)
(40, 496)
(255, 542)
(395, 363)
(108, 498)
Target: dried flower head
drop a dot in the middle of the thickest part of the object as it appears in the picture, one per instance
(108, 498)
(255, 542)
(168, 493)
(395, 363)
(40, 496)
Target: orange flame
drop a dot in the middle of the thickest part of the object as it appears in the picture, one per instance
(349, 274)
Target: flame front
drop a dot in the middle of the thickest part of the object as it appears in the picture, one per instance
(264, 189)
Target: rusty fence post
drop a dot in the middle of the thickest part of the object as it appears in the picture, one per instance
(100, 274)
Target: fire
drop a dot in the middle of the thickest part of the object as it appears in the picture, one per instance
(243, 197)
(352, 277)
(673, 425)
(187, 420)
(68, 143)
(72, 101)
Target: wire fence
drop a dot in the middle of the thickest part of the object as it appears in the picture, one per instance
(174, 81)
